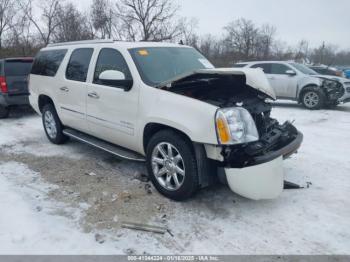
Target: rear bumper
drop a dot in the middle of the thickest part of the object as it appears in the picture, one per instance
(8, 100)
(264, 179)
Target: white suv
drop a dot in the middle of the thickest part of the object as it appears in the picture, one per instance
(297, 82)
(165, 104)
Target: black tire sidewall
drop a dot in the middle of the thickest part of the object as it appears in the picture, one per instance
(321, 96)
(60, 137)
(191, 183)
(4, 112)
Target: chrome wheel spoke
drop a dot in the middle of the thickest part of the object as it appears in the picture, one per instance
(179, 171)
(170, 151)
(168, 166)
(176, 180)
(162, 172)
(162, 152)
(158, 161)
(177, 159)
(168, 180)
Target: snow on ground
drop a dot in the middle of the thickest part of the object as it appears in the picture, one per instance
(50, 206)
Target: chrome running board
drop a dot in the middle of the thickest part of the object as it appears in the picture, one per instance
(103, 145)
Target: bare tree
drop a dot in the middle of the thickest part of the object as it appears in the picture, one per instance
(302, 51)
(149, 20)
(72, 25)
(104, 19)
(7, 13)
(242, 36)
(325, 54)
(265, 41)
(187, 30)
(49, 17)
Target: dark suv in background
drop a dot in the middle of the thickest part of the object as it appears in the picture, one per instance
(14, 74)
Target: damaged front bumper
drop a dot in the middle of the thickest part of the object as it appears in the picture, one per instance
(264, 179)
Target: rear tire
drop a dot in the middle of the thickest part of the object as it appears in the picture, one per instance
(52, 125)
(4, 112)
(313, 98)
(172, 165)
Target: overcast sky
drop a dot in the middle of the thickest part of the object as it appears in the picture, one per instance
(313, 20)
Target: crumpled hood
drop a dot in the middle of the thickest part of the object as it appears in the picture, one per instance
(255, 78)
(336, 78)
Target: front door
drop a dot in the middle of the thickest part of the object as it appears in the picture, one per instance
(72, 93)
(111, 110)
(285, 85)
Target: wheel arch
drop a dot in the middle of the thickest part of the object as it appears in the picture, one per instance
(304, 88)
(44, 100)
(153, 128)
(206, 167)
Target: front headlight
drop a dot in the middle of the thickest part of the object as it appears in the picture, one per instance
(235, 126)
(331, 84)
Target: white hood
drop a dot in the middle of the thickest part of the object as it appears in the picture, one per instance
(336, 78)
(255, 78)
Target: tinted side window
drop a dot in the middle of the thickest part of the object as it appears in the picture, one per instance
(265, 67)
(78, 65)
(279, 69)
(46, 63)
(110, 59)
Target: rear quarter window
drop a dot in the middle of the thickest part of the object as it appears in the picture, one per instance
(47, 63)
(78, 65)
(18, 68)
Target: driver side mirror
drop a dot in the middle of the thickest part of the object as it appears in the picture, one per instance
(291, 73)
(115, 78)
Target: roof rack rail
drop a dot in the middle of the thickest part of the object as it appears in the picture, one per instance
(97, 41)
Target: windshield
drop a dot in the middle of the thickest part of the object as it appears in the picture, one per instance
(160, 64)
(304, 69)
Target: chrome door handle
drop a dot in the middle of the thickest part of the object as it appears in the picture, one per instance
(93, 95)
(64, 89)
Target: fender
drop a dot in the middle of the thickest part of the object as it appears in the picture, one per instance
(306, 82)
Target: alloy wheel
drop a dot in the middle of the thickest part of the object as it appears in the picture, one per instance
(50, 125)
(311, 99)
(168, 166)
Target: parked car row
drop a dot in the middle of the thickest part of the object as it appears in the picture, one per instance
(327, 70)
(299, 83)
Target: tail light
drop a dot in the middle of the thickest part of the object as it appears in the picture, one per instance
(3, 85)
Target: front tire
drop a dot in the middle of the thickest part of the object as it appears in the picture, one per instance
(313, 98)
(172, 165)
(4, 112)
(52, 125)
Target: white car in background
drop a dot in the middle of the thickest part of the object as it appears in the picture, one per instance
(297, 82)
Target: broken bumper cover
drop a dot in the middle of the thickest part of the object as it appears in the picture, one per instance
(264, 180)
(345, 98)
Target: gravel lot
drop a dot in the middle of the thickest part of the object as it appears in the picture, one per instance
(71, 199)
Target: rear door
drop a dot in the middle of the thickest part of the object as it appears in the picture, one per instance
(16, 74)
(71, 93)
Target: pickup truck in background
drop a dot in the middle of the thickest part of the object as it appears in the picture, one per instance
(14, 74)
